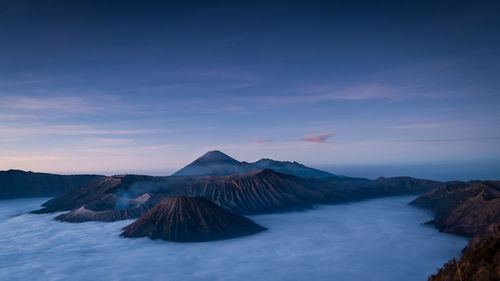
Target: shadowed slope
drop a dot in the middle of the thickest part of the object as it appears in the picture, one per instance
(256, 192)
(190, 219)
(95, 190)
(466, 209)
(111, 208)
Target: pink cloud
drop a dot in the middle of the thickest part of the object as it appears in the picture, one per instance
(262, 140)
(319, 138)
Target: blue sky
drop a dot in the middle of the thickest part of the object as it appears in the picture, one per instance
(124, 86)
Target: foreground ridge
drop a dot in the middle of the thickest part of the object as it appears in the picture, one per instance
(471, 209)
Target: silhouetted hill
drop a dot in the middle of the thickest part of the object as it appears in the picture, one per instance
(190, 219)
(16, 183)
(217, 163)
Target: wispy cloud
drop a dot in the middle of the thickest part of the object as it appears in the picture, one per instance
(317, 94)
(53, 103)
(262, 140)
(15, 116)
(319, 138)
(432, 140)
(437, 125)
(358, 92)
(73, 130)
(29, 158)
(106, 141)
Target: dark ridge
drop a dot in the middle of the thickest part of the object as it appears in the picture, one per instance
(18, 184)
(190, 219)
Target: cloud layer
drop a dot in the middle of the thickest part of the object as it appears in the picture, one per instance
(317, 244)
(319, 138)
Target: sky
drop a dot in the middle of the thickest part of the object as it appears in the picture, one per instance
(148, 86)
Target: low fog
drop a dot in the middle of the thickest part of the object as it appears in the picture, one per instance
(380, 239)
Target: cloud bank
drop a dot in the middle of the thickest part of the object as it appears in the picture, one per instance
(321, 244)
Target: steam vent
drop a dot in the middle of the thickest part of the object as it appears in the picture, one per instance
(190, 219)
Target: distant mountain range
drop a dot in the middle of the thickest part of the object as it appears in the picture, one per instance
(205, 201)
(217, 163)
(250, 192)
(16, 183)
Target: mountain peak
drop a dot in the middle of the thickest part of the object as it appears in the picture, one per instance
(217, 163)
(190, 219)
(216, 156)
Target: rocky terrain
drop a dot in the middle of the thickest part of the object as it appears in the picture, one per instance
(97, 189)
(465, 209)
(17, 184)
(478, 263)
(112, 208)
(471, 209)
(257, 192)
(190, 219)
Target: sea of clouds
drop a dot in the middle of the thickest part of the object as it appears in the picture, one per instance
(381, 239)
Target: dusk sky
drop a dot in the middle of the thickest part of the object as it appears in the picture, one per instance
(147, 87)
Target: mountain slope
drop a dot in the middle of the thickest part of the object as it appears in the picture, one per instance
(16, 183)
(112, 208)
(257, 192)
(290, 168)
(94, 190)
(466, 209)
(190, 219)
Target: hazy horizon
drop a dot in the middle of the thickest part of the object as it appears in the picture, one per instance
(432, 171)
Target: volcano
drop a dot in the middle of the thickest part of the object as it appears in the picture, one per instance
(216, 163)
(190, 219)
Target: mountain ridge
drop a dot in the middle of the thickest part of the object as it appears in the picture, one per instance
(256, 192)
(18, 183)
